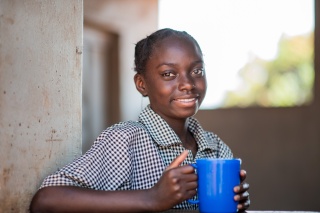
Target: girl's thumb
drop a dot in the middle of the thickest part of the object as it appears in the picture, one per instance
(176, 162)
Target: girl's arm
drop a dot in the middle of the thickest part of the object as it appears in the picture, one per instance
(77, 199)
(176, 184)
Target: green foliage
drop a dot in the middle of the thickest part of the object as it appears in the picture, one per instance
(283, 82)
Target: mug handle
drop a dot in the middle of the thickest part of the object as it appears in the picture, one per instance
(190, 200)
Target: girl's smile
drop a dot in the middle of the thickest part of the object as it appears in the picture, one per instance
(186, 102)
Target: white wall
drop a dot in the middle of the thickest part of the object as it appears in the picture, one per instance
(40, 94)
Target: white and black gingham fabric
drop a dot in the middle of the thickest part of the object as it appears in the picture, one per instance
(132, 155)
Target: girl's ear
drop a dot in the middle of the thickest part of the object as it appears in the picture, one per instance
(140, 84)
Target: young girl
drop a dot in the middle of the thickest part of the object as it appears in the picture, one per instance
(143, 166)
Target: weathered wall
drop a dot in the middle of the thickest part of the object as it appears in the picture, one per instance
(40, 94)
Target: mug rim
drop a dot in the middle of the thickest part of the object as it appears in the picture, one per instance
(220, 159)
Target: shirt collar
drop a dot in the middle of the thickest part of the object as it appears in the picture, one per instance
(164, 135)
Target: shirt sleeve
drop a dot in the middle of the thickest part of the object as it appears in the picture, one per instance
(105, 166)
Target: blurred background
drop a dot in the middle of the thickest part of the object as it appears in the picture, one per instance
(66, 73)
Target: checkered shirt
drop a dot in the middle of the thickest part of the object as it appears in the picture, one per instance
(133, 155)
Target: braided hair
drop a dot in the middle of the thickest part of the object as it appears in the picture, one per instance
(144, 48)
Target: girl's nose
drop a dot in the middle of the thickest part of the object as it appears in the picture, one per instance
(186, 83)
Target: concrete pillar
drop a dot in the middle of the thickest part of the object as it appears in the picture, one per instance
(40, 94)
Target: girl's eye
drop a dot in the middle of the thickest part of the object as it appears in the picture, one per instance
(168, 74)
(198, 71)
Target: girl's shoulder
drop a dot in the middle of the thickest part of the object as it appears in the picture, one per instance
(124, 129)
(127, 126)
(212, 136)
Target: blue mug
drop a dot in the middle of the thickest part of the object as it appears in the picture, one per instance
(216, 180)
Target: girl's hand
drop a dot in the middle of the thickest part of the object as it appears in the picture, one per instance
(176, 184)
(242, 193)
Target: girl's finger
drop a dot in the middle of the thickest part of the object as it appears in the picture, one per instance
(176, 162)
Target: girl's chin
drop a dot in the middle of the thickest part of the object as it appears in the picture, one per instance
(187, 112)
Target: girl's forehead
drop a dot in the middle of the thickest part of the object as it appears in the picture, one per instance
(174, 51)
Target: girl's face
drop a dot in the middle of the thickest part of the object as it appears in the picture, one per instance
(175, 79)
